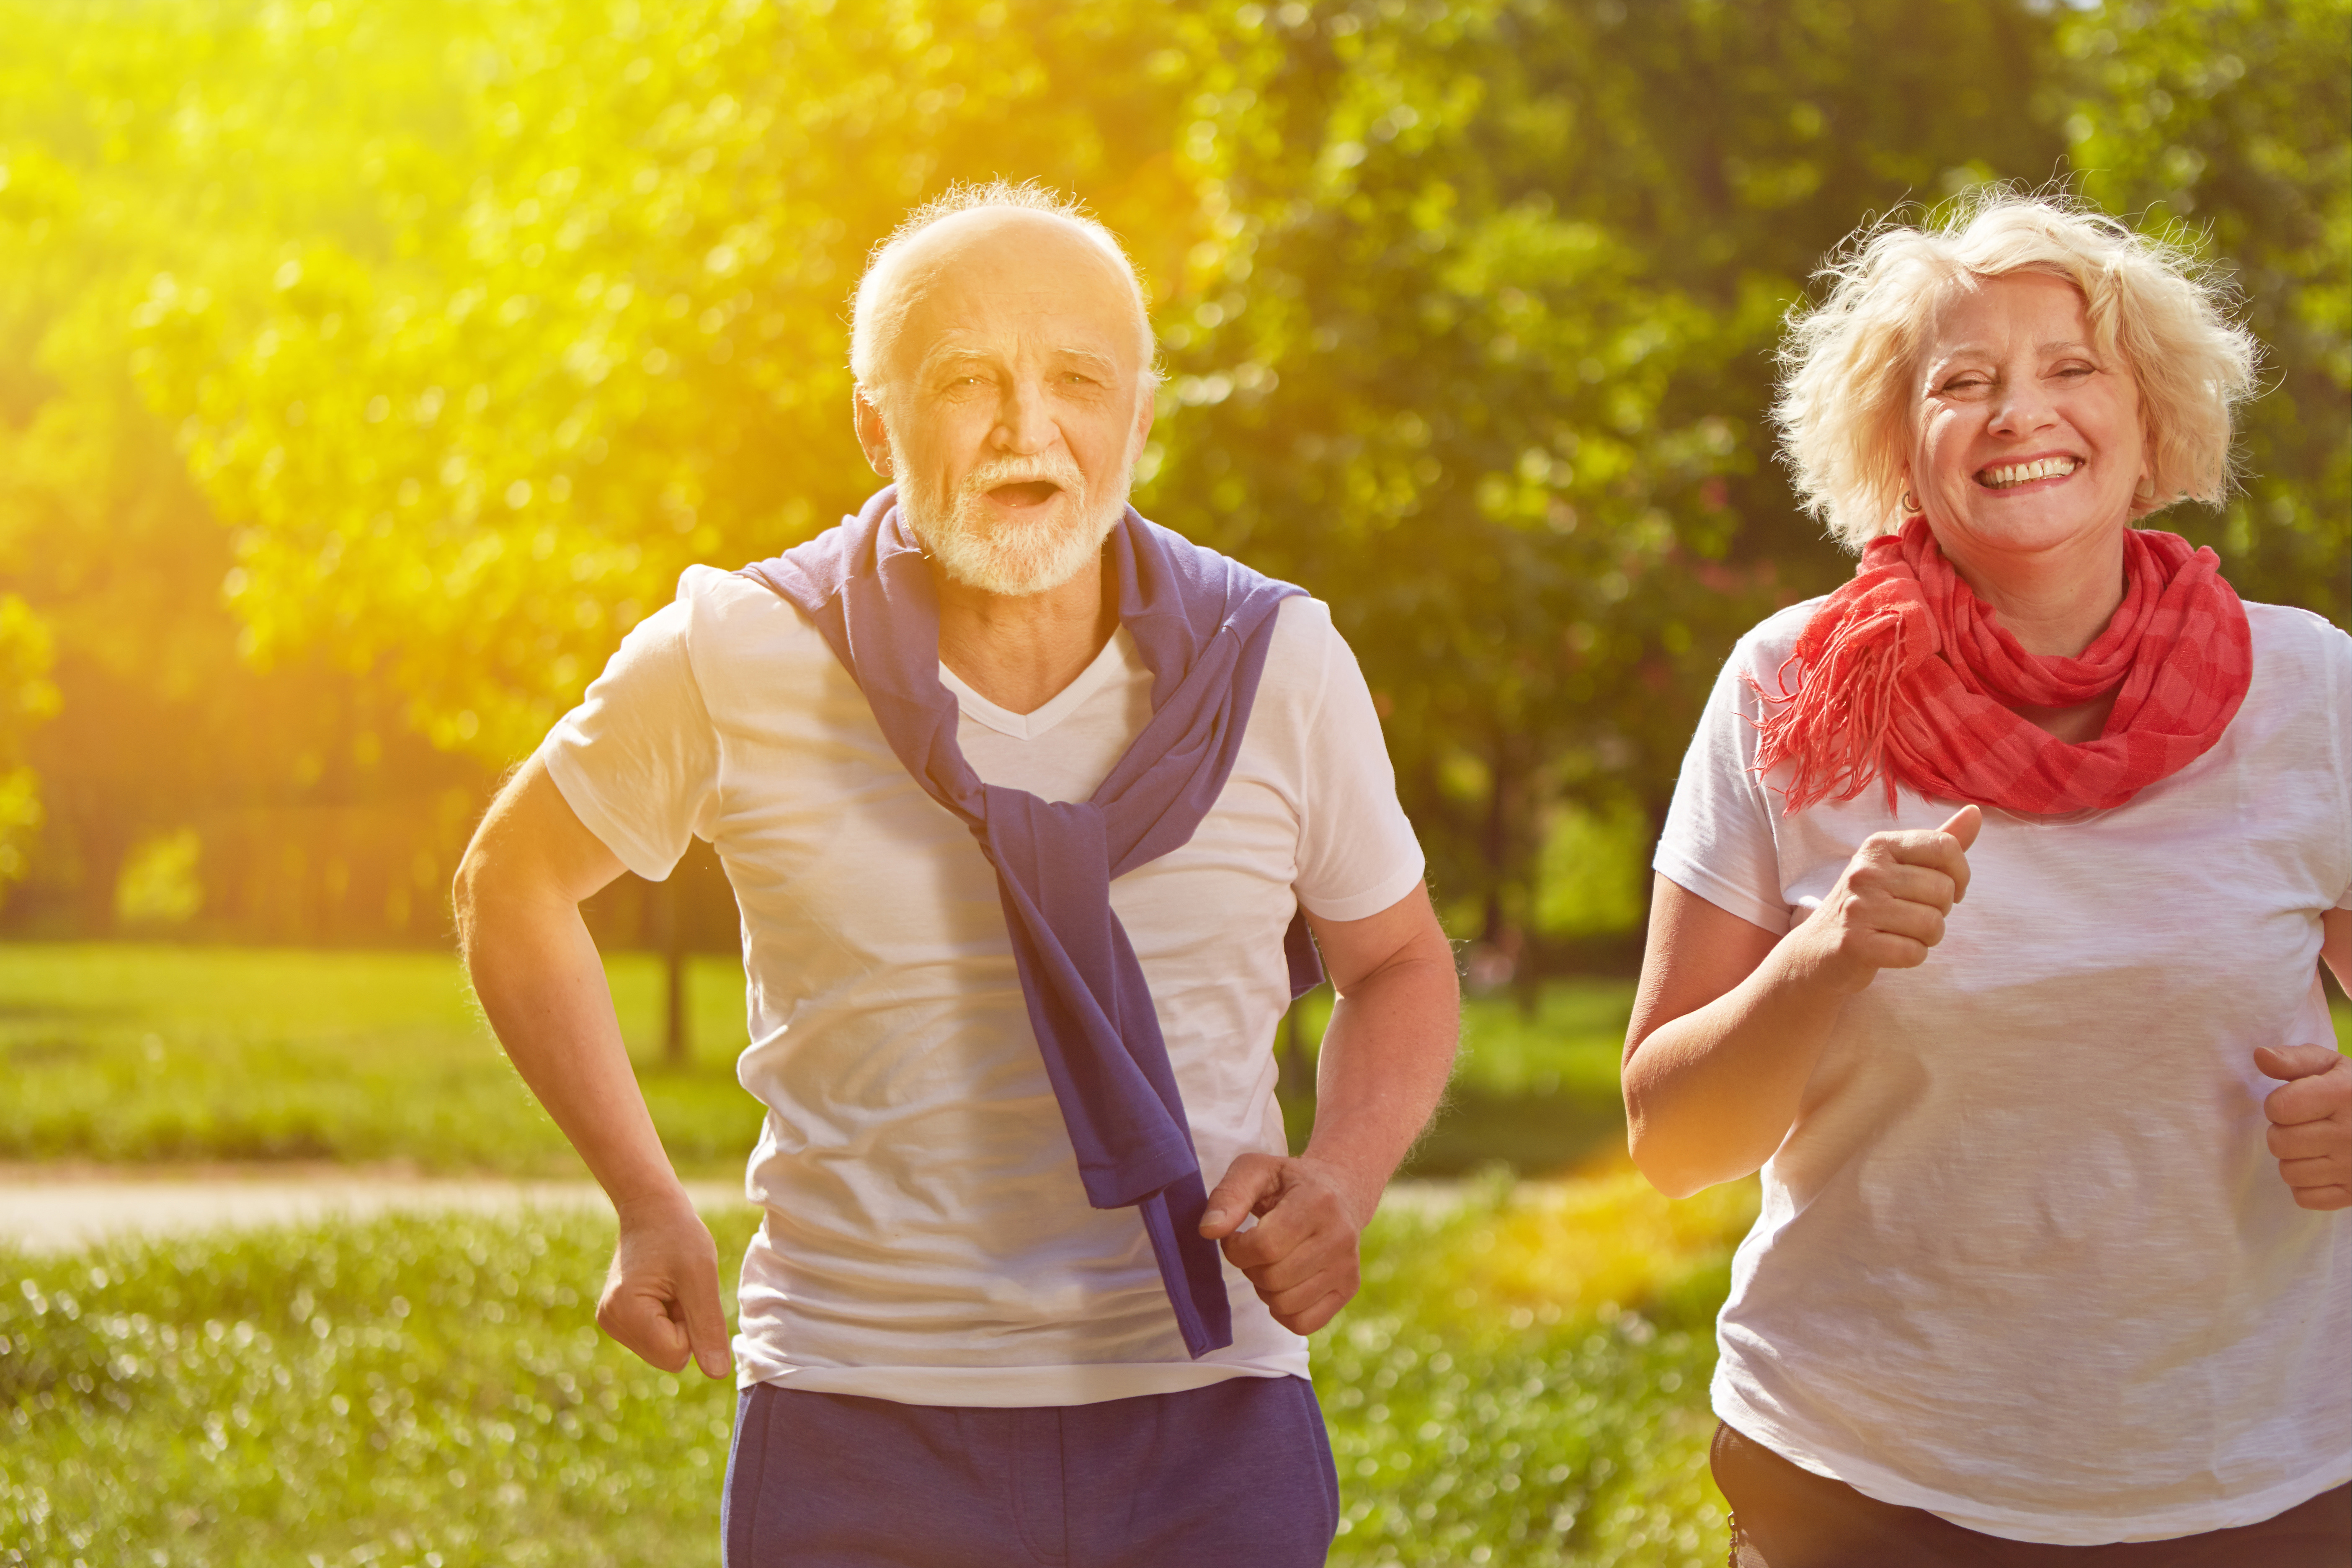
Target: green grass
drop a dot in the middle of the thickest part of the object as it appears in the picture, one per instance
(145, 1053)
(131, 1053)
(122, 1052)
(430, 1394)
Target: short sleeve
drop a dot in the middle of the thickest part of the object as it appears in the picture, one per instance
(1357, 851)
(637, 760)
(1718, 841)
(2336, 704)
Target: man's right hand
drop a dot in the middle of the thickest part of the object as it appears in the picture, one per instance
(661, 1296)
(1888, 908)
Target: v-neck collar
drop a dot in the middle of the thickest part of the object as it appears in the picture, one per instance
(1119, 658)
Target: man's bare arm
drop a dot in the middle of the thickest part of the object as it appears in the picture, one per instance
(543, 986)
(1385, 1059)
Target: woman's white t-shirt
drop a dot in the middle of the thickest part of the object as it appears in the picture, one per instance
(2025, 1259)
(926, 1238)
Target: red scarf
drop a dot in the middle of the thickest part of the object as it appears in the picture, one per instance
(1906, 674)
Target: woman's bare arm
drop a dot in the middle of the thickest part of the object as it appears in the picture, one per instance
(2310, 1115)
(1730, 1020)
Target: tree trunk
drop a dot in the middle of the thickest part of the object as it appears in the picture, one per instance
(670, 930)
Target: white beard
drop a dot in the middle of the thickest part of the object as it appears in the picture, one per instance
(1024, 558)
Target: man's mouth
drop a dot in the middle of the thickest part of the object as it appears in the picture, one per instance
(2006, 476)
(1025, 493)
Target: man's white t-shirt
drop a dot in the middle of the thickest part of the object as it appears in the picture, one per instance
(926, 1238)
(2024, 1260)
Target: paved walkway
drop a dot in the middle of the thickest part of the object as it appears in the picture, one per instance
(44, 1212)
(59, 1208)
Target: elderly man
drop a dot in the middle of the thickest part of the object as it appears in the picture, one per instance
(1022, 798)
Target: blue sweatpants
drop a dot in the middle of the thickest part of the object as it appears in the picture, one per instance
(1238, 1472)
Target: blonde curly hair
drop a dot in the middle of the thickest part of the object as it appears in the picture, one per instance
(1847, 363)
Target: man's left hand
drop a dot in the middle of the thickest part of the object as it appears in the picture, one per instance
(1301, 1254)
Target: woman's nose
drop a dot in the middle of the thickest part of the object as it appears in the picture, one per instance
(2020, 405)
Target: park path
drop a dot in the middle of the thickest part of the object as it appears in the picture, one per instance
(54, 1211)
(61, 1209)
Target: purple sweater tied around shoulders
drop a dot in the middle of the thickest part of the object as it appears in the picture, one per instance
(1203, 623)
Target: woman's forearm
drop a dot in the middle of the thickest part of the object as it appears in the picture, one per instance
(1731, 1019)
(1711, 1094)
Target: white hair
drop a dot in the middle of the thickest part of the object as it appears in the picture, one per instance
(877, 310)
(1844, 407)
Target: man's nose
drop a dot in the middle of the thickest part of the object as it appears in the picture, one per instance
(1023, 422)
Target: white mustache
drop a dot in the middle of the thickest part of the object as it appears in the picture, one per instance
(1055, 469)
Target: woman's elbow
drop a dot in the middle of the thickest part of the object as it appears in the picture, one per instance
(1663, 1166)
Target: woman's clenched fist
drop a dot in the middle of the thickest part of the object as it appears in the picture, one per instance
(1888, 907)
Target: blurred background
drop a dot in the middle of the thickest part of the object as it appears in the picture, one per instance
(366, 370)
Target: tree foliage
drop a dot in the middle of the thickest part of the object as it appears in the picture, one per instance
(442, 336)
(2226, 122)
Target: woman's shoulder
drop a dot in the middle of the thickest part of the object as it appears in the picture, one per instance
(2290, 630)
(1766, 646)
(2303, 666)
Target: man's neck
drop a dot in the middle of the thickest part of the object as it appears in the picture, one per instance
(1020, 653)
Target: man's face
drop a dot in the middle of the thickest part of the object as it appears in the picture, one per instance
(1013, 405)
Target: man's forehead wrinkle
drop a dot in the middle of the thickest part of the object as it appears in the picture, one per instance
(955, 345)
(957, 322)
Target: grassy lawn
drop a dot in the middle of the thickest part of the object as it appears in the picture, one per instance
(145, 1053)
(1522, 1382)
(127, 1053)
(120, 1052)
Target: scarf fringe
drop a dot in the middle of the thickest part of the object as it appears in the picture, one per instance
(1835, 724)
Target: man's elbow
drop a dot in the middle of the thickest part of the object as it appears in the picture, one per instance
(483, 877)
(465, 892)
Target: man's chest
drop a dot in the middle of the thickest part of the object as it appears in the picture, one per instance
(827, 836)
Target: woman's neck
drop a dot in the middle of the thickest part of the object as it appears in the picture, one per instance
(2056, 601)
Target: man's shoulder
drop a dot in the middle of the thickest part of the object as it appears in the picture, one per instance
(727, 618)
(1299, 654)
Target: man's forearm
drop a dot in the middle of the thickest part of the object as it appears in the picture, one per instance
(1385, 1059)
(542, 986)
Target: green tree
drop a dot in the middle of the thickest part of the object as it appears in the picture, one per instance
(108, 174)
(457, 330)
(598, 335)
(1481, 348)
(2225, 120)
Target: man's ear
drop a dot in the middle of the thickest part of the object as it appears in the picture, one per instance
(1146, 401)
(873, 434)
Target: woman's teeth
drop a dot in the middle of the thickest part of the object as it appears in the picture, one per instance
(2025, 473)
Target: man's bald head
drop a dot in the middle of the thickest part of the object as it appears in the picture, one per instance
(1000, 215)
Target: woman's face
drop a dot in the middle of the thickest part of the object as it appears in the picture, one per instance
(2026, 439)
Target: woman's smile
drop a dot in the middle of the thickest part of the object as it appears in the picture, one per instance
(2029, 472)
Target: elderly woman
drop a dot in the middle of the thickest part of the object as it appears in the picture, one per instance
(2053, 1254)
